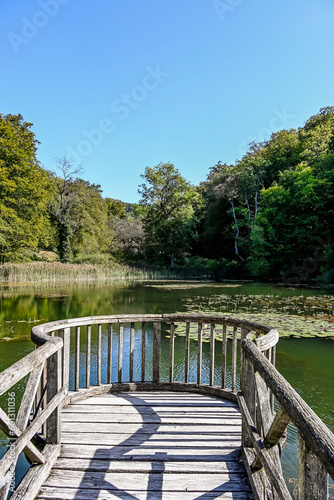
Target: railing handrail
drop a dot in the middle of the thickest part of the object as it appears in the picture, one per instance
(314, 432)
(16, 372)
(39, 332)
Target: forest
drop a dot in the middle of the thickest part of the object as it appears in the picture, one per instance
(269, 216)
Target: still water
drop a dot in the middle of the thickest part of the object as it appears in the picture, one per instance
(307, 363)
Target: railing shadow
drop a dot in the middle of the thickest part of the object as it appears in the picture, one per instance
(124, 447)
(155, 475)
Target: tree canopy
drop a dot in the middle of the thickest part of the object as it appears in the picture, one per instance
(23, 190)
(169, 219)
(270, 215)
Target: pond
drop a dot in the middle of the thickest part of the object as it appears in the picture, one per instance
(304, 318)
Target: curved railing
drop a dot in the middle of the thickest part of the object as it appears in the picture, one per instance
(74, 359)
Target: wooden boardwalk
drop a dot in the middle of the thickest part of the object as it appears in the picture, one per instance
(152, 445)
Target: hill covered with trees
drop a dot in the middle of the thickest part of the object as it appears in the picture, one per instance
(269, 216)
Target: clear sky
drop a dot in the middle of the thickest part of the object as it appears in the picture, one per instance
(123, 84)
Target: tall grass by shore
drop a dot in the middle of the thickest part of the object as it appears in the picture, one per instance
(48, 272)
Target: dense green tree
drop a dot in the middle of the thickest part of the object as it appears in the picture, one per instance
(91, 233)
(24, 222)
(169, 216)
(116, 208)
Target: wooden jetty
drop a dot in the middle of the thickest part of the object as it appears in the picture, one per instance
(95, 426)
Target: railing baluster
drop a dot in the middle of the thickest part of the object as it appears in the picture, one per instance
(312, 475)
(156, 352)
(143, 350)
(88, 353)
(77, 358)
(132, 343)
(212, 354)
(120, 352)
(109, 364)
(199, 353)
(186, 359)
(22, 418)
(171, 353)
(99, 353)
(224, 346)
(43, 395)
(234, 358)
(65, 334)
(273, 362)
(53, 423)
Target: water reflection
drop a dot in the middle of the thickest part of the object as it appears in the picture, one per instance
(306, 363)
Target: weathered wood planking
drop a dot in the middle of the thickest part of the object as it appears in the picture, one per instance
(153, 481)
(91, 494)
(150, 418)
(173, 400)
(151, 453)
(149, 445)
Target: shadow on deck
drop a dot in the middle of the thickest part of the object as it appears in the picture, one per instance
(153, 445)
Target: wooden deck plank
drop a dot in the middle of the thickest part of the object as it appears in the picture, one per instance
(172, 400)
(98, 465)
(166, 441)
(137, 418)
(148, 482)
(149, 445)
(169, 453)
(150, 428)
(162, 410)
(51, 493)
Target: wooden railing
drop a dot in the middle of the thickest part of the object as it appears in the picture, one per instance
(264, 430)
(74, 359)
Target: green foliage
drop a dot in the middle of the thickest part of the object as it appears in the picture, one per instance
(277, 202)
(269, 215)
(23, 189)
(80, 213)
(91, 232)
(116, 208)
(169, 215)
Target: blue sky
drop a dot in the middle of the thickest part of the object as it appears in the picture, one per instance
(123, 84)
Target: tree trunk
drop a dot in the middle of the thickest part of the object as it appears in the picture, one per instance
(64, 242)
(236, 232)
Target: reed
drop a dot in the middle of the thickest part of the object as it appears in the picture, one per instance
(46, 272)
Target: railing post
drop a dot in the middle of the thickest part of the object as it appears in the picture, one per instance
(99, 354)
(247, 387)
(156, 352)
(88, 354)
(199, 353)
(120, 352)
(109, 363)
(312, 475)
(53, 424)
(187, 353)
(77, 358)
(171, 353)
(234, 357)
(65, 334)
(132, 346)
(212, 354)
(143, 350)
